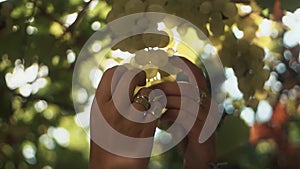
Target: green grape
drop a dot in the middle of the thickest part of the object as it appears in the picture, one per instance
(118, 7)
(216, 17)
(243, 46)
(204, 33)
(159, 58)
(123, 45)
(151, 40)
(257, 82)
(142, 57)
(217, 27)
(228, 58)
(137, 42)
(240, 68)
(133, 63)
(199, 21)
(182, 29)
(134, 6)
(229, 10)
(170, 69)
(142, 22)
(257, 52)
(246, 22)
(218, 4)
(127, 25)
(206, 7)
(170, 22)
(249, 33)
(243, 84)
(159, 2)
(164, 40)
(155, 8)
(265, 74)
(254, 64)
(111, 16)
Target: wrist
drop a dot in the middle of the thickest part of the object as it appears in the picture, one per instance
(198, 156)
(101, 159)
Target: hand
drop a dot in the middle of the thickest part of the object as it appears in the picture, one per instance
(111, 100)
(196, 155)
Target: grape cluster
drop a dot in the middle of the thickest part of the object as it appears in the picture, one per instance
(246, 59)
(154, 62)
(207, 15)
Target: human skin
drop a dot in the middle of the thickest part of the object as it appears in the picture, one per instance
(196, 155)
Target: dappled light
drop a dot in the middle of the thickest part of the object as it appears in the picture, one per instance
(258, 43)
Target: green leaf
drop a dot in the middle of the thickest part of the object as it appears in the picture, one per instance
(232, 134)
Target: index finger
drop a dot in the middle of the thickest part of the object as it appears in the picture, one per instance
(194, 72)
(108, 82)
(178, 89)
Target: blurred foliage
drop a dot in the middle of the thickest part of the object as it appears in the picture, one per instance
(39, 42)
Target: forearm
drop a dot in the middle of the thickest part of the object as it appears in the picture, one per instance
(198, 156)
(101, 159)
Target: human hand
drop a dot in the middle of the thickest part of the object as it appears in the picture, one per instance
(183, 97)
(112, 101)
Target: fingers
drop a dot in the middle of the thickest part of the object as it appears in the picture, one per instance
(183, 103)
(188, 121)
(178, 89)
(123, 95)
(140, 106)
(116, 77)
(108, 81)
(194, 73)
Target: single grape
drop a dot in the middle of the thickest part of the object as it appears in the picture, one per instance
(249, 33)
(143, 22)
(171, 22)
(240, 69)
(228, 58)
(164, 40)
(111, 16)
(243, 84)
(216, 17)
(182, 29)
(206, 7)
(170, 69)
(159, 2)
(151, 39)
(217, 28)
(243, 46)
(142, 57)
(204, 33)
(134, 6)
(155, 8)
(229, 10)
(218, 4)
(159, 58)
(137, 42)
(257, 52)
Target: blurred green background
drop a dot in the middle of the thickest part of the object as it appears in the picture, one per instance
(39, 44)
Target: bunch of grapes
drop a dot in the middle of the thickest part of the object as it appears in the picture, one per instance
(246, 59)
(207, 15)
(156, 65)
